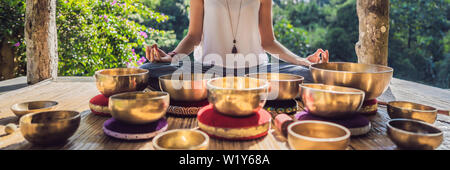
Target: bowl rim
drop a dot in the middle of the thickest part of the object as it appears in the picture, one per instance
(162, 77)
(165, 94)
(299, 78)
(390, 69)
(331, 91)
(210, 86)
(78, 115)
(50, 101)
(341, 138)
(407, 109)
(203, 144)
(98, 72)
(414, 133)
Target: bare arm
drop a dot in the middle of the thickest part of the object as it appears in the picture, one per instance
(271, 45)
(193, 37)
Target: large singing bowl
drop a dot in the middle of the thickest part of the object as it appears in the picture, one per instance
(185, 87)
(237, 96)
(119, 80)
(372, 79)
(139, 107)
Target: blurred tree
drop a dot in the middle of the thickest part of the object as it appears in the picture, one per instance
(417, 34)
(343, 33)
(12, 48)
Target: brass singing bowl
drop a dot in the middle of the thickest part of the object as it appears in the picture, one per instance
(317, 135)
(237, 96)
(331, 101)
(410, 110)
(414, 134)
(119, 80)
(185, 87)
(139, 107)
(283, 86)
(21, 109)
(181, 139)
(372, 79)
(49, 127)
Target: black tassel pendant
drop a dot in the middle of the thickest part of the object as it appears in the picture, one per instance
(234, 50)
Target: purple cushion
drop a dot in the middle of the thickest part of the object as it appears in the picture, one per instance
(120, 127)
(355, 121)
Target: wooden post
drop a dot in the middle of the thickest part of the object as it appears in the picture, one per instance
(372, 47)
(7, 63)
(41, 40)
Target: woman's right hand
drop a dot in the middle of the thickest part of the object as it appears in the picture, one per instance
(155, 55)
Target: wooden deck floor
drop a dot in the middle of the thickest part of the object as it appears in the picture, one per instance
(73, 93)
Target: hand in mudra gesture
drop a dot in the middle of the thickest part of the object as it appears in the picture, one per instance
(319, 56)
(155, 55)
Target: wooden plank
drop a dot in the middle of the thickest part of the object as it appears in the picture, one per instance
(73, 94)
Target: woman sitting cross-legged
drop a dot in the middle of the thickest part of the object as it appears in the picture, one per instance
(230, 37)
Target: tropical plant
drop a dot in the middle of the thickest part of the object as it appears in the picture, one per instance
(96, 34)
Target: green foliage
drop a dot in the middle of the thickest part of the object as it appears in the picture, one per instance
(177, 11)
(293, 38)
(419, 40)
(12, 20)
(96, 34)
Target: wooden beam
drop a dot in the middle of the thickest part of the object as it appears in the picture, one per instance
(41, 40)
(372, 47)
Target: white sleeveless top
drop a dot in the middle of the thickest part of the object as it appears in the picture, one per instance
(217, 40)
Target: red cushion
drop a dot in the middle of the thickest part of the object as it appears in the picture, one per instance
(99, 100)
(208, 116)
(242, 138)
(369, 102)
(99, 105)
(215, 124)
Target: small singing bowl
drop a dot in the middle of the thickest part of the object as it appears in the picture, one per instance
(317, 135)
(181, 139)
(185, 87)
(410, 110)
(414, 134)
(237, 96)
(139, 107)
(282, 86)
(21, 109)
(49, 127)
(119, 80)
(331, 101)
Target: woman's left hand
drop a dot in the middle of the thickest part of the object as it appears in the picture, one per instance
(319, 56)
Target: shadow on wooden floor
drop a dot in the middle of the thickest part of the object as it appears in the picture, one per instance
(13, 84)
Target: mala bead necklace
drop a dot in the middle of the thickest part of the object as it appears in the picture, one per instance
(234, 33)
